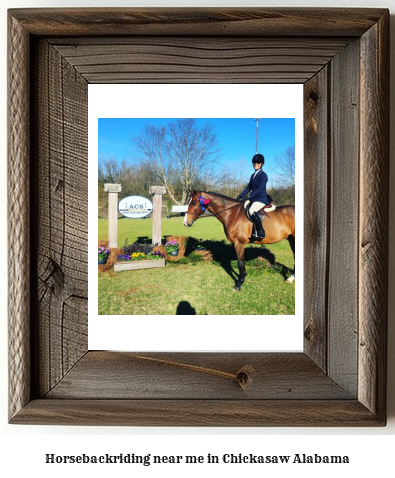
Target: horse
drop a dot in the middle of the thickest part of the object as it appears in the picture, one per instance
(278, 224)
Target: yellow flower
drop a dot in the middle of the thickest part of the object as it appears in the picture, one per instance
(136, 255)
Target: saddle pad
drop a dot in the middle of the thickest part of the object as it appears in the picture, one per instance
(261, 213)
(270, 208)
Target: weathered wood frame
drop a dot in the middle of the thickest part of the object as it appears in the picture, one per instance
(342, 57)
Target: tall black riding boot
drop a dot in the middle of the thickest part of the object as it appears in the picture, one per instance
(260, 233)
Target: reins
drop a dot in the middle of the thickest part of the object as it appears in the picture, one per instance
(216, 214)
(223, 210)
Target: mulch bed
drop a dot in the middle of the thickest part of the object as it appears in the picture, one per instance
(111, 258)
(115, 251)
(206, 255)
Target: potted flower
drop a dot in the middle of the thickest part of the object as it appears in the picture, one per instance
(172, 248)
(103, 254)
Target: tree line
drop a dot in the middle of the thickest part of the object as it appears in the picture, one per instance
(183, 155)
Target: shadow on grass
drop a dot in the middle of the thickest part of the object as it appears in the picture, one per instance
(185, 308)
(144, 240)
(224, 253)
(140, 240)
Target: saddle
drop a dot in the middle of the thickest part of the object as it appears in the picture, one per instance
(267, 208)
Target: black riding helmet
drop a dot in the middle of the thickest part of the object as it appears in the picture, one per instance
(258, 158)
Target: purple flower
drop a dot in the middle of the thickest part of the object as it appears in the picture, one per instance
(124, 257)
(103, 252)
(171, 246)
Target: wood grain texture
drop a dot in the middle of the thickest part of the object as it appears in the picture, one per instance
(188, 59)
(343, 220)
(18, 218)
(196, 376)
(316, 213)
(255, 22)
(373, 227)
(346, 308)
(61, 199)
(202, 413)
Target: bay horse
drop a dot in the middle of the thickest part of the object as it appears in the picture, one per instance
(278, 225)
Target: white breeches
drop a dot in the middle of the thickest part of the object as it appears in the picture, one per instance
(256, 206)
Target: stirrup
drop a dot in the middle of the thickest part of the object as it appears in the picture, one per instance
(258, 234)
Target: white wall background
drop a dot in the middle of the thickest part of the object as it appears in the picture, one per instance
(23, 448)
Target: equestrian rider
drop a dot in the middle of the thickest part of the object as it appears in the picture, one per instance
(258, 196)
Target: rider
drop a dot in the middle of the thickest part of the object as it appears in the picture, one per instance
(258, 196)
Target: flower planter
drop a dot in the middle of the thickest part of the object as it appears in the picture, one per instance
(103, 253)
(135, 265)
(172, 247)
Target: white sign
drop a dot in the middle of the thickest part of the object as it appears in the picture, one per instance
(179, 208)
(135, 207)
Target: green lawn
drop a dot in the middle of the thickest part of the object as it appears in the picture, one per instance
(205, 286)
(141, 229)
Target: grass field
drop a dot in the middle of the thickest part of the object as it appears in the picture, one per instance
(198, 287)
(141, 229)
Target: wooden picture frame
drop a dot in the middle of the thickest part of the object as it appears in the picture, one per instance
(342, 58)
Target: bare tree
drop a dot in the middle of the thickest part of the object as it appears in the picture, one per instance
(151, 147)
(285, 168)
(178, 153)
(111, 171)
(134, 180)
(233, 178)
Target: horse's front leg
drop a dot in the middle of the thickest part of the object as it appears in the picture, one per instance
(239, 248)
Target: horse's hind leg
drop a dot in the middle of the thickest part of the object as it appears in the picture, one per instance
(239, 248)
(291, 240)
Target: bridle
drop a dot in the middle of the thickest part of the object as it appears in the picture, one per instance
(202, 205)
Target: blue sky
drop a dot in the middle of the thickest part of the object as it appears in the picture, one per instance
(236, 138)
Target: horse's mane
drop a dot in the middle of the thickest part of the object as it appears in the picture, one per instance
(221, 196)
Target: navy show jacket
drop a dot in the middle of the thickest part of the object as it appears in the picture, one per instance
(258, 187)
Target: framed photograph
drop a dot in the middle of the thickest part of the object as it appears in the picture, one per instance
(127, 312)
(341, 59)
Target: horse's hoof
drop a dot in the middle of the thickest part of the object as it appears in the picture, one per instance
(290, 280)
(237, 288)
